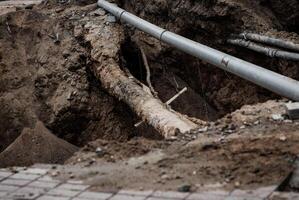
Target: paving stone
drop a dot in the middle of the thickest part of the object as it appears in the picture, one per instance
(95, 195)
(44, 166)
(25, 176)
(284, 196)
(205, 196)
(2, 194)
(75, 182)
(5, 174)
(63, 192)
(76, 198)
(27, 190)
(241, 198)
(136, 193)
(16, 182)
(47, 178)
(157, 198)
(44, 184)
(36, 171)
(8, 188)
(264, 191)
(243, 193)
(75, 187)
(127, 197)
(53, 198)
(169, 194)
(24, 195)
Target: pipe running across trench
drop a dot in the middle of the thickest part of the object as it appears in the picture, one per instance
(270, 80)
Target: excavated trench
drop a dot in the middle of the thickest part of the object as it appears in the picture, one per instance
(48, 80)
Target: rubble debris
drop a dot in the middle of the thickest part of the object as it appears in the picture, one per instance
(292, 110)
(277, 117)
(184, 188)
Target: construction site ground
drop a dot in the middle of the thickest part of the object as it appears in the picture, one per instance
(62, 136)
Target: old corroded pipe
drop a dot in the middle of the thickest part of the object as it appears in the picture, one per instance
(270, 80)
(269, 41)
(271, 52)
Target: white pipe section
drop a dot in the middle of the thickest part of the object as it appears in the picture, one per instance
(270, 80)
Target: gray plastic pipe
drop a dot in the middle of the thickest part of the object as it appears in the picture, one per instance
(268, 51)
(269, 40)
(270, 80)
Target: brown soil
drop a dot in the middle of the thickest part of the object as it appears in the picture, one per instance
(37, 145)
(47, 86)
(258, 155)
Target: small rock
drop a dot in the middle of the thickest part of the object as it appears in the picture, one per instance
(29, 6)
(237, 184)
(54, 174)
(283, 138)
(69, 96)
(257, 122)
(111, 19)
(66, 53)
(100, 152)
(203, 130)
(184, 188)
(98, 12)
(277, 117)
(165, 177)
(288, 121)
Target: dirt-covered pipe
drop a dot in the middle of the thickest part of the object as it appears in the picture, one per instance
(269, 41)
(271, 52)
(270, 80)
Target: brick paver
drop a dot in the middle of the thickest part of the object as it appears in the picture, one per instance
(63, 193)
(95, 195)
(2, 194)
(205, 196)
(7, 188)
(127, 197)
(16, 182)
(25, 176)
(170, 194)
(75, 187)
(53, 198)
(5, 174)
(136, 193)
(48, 179)
(284, 196)
(36, 171)
(43, 184)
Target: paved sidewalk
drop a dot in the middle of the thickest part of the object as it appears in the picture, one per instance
(11, 5)
(36, 184)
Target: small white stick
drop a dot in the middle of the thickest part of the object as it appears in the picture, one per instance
(176, 96)
(167, 103)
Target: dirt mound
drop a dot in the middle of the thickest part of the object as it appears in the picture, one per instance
(45, 79)
(37, 145)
